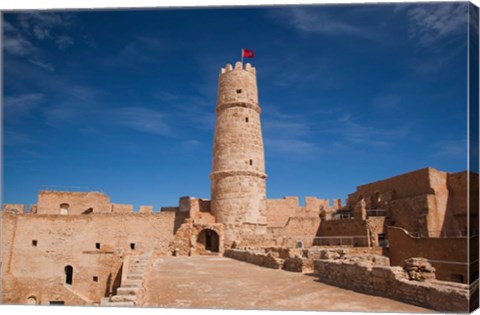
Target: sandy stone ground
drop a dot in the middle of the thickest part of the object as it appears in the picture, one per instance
(219, 282)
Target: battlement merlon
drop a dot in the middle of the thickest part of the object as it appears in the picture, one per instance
(238, 66)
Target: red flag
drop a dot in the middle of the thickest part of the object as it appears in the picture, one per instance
(247, 53)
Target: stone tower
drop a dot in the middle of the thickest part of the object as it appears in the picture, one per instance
(238, 193)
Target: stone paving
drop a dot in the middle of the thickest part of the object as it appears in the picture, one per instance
(219, 282)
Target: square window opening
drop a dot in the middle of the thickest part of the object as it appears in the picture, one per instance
(97, 245)
(251, 162)
(132, 246)
(246, 119)
(239, 91)
(95, 279)
(34, 243)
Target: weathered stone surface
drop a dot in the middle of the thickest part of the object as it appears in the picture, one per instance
(393, 282)
(256, 257)
(419, 269)
(238, 169)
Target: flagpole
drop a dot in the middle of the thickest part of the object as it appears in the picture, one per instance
(242, 57)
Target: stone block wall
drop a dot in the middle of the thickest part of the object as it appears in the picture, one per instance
(16, 208)
(392, 282)
(50, 202)
(37, 248)
(121, 208)
(447, 255)
(256, 257)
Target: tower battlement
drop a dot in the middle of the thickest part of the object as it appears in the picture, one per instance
(238, 66)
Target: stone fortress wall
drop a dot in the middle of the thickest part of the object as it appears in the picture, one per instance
(74, 247)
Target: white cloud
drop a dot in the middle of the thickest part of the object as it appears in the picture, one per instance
(16, 106)
(313, 21)
(351, 132)
(7, 27)
(43, 65)
(18, 45)
(64, 42)
(451, 149)
(41, 33)
(296, 148)
(430, 23)
(142, 119)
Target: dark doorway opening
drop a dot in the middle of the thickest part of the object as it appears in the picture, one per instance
(207, 241)
(68, 274)
(57, 303)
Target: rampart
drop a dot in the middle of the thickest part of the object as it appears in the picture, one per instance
(289, 222)
(72, 203)
(393, 282)
(37, 248)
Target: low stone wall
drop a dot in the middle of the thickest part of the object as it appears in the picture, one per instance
(393, 282)
(256, 257)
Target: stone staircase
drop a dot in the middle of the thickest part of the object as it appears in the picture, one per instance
(131, 291)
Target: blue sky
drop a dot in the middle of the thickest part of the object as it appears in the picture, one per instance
(124, 101)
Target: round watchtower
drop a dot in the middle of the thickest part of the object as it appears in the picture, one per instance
(238, 193)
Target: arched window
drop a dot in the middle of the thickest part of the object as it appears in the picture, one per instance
(32, 300)
(68, 274)
(64, 208)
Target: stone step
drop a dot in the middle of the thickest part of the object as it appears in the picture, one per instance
(131, 283)
(123, 298)
(136, 273)
(121, 304)
(140, 265)
(128, 290)
(134, 277)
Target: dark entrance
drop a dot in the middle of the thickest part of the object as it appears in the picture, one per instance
(207, 241)
(68, 274)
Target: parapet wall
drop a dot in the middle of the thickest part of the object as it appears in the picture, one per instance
(392, 282)
(73, 203)
(15, 208)
(447, 255)
(402, 186)
(288, 222)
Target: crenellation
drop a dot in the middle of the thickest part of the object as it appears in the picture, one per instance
(14, 208)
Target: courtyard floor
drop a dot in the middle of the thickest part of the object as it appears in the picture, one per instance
(219, 282)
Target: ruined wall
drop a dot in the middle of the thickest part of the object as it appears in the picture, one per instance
(447, 255)
(190, 240)
(16, 208)
(36, 249)
(49, 202)
(199, 210)
(289, 223)
(392, 282)
(280, 210)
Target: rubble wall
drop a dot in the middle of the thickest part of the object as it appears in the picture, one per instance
(392, 282)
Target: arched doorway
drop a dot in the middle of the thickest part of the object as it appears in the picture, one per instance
(68, 274)
(207, 241)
